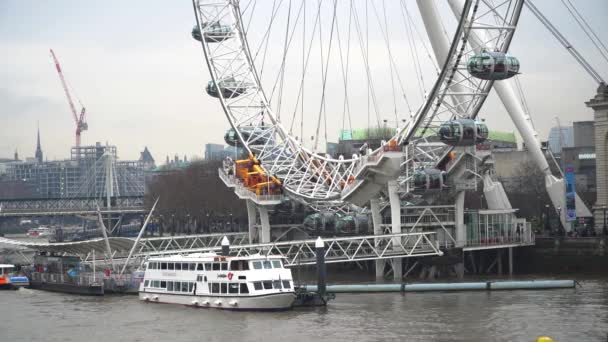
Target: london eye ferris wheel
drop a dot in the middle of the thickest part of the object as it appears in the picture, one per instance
(290, 74)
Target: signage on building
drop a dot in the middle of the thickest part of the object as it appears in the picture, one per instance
(570, 194)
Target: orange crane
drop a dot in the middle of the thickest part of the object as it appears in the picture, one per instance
(81, 124)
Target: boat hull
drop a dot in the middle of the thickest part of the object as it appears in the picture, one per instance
(90, 290)
(274, 301)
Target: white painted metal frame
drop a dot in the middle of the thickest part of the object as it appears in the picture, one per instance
(347, 249)
(310, 175)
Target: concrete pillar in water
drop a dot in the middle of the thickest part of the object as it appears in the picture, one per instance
(377, 221)
(252, 216)
(510, 261)
(499, 260)
(393, 194)
(265, 223)
(321, 268)
(461, 232)
(225, 246)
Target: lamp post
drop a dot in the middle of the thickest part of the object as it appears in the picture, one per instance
(547, 227)
(559, 216)
(604, 229)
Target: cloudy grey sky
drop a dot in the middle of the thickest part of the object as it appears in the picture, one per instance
(142, 77)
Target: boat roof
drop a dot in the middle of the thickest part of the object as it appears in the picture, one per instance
(211, 256)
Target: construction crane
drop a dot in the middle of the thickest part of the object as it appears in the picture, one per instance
(81, 124)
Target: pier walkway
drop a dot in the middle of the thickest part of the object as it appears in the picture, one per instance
(338, 250)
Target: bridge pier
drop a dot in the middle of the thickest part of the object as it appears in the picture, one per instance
(377, 221)
(395, 202)
(461, 231)
(510, 261)
(252, 218)
(265, 225)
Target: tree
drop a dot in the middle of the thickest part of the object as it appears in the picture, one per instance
(194, 197)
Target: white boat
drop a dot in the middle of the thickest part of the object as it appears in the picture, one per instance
(9, 279)
(210, 280)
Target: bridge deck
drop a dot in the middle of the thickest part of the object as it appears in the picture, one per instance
(343, 249)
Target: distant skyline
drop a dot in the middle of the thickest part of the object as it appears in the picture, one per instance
(141, 76)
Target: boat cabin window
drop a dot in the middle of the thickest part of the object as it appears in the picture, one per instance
(244, 288)
(224, 288)
(199, 278)
(257, 265)
(233, 288)
(257, 285)
(277, 264)
(199, 267)
(146, 283)
(239, 265)
(163, 284)
(184, 266)
(215, 287)
(286, 284)
(224, 266)
(170, 286)
(192, 267)
(216, 266)
(207, 266)
(178, 266)
(267, 285)
(276, 284)
(267, 264)
(163, 265)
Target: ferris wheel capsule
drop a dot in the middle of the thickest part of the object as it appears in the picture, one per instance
(214, 32)
(463, 132)
(232, 139)
(228, 86)
(429, 180)
(493, 66)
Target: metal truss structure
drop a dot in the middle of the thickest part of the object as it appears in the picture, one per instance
(338, 250)
(154, 245)
(304, 172)
(70, 206)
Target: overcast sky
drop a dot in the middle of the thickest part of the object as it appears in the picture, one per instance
(142, 77)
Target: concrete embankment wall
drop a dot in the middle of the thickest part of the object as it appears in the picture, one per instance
(564, 255)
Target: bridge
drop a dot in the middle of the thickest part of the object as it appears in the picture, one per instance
(70, 206)
(337, 250)
(295, 253)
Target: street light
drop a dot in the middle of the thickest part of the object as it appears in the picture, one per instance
(547, 227)
(605, 229)
(559, 216)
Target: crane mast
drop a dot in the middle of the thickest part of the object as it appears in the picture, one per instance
(79, 120)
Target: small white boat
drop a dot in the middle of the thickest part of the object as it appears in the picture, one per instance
(210, 280)
(8, 280)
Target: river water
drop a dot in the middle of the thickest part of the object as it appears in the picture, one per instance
(566, 315)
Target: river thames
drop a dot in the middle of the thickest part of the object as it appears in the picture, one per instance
(579, 314)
